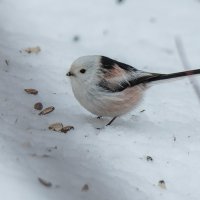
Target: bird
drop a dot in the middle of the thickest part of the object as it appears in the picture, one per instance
(109, 88)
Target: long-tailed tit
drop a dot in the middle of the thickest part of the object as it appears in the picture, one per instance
(106, 87)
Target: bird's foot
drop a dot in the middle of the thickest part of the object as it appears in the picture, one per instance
(108, 124)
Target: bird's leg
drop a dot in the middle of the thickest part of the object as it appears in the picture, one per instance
(108, 124)
(111, 121)
(99, 117)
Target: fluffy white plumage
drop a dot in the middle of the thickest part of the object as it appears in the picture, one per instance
(96, 99)
(106, 87)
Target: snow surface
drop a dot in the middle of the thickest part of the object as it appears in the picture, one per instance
(112, 162)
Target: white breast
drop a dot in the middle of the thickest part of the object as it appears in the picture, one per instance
(111, 104)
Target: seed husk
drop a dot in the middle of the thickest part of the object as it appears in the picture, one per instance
(44, 182)
(66, 129)
(38, 106)
(36, 49)
(56, 127)
(162, 184)
(47, 110)
(31, 91)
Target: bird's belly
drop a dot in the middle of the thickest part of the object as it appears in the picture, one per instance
(111, 104)
(124, 102)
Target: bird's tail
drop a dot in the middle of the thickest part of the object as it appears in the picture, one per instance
(159, 77)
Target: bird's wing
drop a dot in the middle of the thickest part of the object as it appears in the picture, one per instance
(119, 76)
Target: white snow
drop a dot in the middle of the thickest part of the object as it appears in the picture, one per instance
(111, 161)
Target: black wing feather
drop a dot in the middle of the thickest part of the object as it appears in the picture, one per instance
(130, 76)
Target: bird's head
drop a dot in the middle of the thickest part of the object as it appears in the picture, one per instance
(84, 68)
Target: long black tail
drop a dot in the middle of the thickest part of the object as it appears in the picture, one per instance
(158, 77)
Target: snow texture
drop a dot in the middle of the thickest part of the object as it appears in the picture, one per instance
(113, 161)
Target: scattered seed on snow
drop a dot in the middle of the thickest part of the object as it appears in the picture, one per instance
(162, 184)
(33, 49)
(47, 110)
(56, 127)
(38, 106)
(44, 182)
(149, 158)
(66, 129)
(31, 91)
(85, 188)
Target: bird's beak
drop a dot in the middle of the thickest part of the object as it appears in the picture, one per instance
(69, 74)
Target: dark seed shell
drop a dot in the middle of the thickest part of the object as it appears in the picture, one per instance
(38, 106)
(31, 91)
(47, 110)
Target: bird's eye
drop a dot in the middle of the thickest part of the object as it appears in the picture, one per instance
(82, 71)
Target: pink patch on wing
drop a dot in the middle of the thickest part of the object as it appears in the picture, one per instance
(115, 72)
